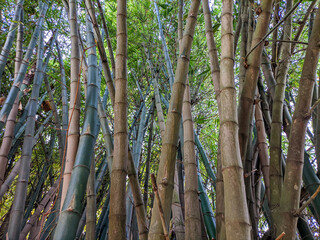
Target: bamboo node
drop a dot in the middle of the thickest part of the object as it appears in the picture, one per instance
(258, 10)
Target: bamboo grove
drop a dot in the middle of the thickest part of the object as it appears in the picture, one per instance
(160, 119)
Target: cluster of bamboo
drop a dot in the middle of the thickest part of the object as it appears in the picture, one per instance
(243, 146)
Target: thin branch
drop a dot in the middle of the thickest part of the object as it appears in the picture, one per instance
(314, 195)
(274, 28)
(281, 236)
(288, 41)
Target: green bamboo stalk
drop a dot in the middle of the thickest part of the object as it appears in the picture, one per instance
(16, 217)
(103, 214)
(64, 98)
(103, 55)
(91, 204)
(277, 119)
(156, 94)
(164, 46)
(165, 178)
(237, 222)
(207, 211)
(5, 110)
(148, 159)
(10, 37)
(117, 215)
(290, 195)
(104, 24)
(72, 206)
(180, 21)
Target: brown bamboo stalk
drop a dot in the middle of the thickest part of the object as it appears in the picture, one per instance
(156, 193)
(191, 198)
(252, 63)
(165, 176)
(117, 215)
(38, 211)
(74, 107)
(237, 222)
(263, 148)
(11, 122)
(138, 202)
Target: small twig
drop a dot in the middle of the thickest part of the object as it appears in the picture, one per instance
(155, 190)
(314, 195)
(280, 236)
(314, 106)
(288, 41)
(274, 28)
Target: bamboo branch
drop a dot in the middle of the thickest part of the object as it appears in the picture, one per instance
(314, 195)
(274, 28)
(280, 236)
(155, 190)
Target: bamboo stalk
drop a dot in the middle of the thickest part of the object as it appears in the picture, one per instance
(165, 176)
(10, 37)
(72, 207)
(74, 107)
(237, 222)
(290, 195)
(117, 215)
(22, 184)
(155, 190)
(5, 110)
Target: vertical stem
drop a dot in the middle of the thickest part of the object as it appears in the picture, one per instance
(117, 215)
(165, 178)
(17, 211)
(74, 107)
(236, 215)
(277, 119)
(91, 204)
(290, 195)
(192, 210)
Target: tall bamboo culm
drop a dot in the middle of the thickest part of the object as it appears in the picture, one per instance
(117, 215)
(237, 222)
(290, 195)
(73, 133)
(73, 205)
(165, 178)
(191, 198)
(17, 212)
(10, 37)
